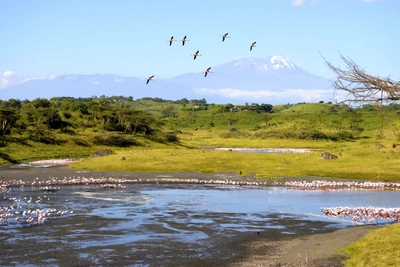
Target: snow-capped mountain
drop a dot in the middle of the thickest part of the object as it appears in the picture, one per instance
(272, 80)
(273, 74)
(256, 66)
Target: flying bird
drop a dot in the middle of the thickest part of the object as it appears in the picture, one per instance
(184, 40)
(171, 40)
(196, 54)
(224, 36)
(253, 45)
(207, 71)
(149, 79)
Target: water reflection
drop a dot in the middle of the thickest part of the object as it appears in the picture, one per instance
(145, 215)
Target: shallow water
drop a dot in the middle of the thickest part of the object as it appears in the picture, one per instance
(143, 216)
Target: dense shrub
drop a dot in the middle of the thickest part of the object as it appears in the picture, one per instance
(171, 137)
(234, 133)
(102, 152)
(114, 140)
(67, 114)
(344, 135)
(165, 137)
(80, 142)
(313, 134)
(309, 135)
(43, 135)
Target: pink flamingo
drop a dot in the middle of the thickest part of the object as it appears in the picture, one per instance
(171, 40)
(224, 36)
(195, 55)
(207, 71)
(149, 79)
(252, 45)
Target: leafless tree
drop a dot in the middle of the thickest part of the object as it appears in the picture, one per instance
(362, 87)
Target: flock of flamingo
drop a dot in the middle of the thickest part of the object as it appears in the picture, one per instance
(363, 214)
(197, 53)
(29, 211)
(55, 161)
(342, 185)
(17, 215)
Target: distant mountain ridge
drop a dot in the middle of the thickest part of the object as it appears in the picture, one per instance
(273, 74)
(270, 80)
(79, 85)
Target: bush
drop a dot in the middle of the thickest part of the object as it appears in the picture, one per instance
(309, 135)
(344, 135)
(165, 137)
(80, 142)
(114, 140)
(171, 137)
(67, 114)
(234, 133)
(102, 153)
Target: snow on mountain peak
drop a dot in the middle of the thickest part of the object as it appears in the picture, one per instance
(256, 65)
(279, 62)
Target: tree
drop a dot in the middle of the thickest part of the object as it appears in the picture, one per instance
(11, 103)
(41, 103)
(8, 118)
(228, 107)
(266, 107)
(362, 87)
(168, 112)
(105, 102)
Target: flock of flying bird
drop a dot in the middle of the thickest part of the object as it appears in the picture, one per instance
(195, 55)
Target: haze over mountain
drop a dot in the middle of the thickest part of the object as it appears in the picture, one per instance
(272, 80)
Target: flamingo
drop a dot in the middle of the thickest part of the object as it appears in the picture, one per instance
(252, 45)
(171, 40)
(184, 40)
(149, 79)
(207, 71)
(196, 54)
(224, 36)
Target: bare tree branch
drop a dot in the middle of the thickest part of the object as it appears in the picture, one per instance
(362, 87)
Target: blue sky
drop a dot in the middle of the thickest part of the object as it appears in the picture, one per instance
(46, 38)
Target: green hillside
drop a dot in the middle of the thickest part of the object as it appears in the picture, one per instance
(149, 132)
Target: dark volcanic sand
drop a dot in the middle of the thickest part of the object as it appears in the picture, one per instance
(313, 243)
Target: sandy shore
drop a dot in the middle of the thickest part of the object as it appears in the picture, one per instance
(308, 247)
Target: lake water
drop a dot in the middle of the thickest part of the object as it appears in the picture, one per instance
(144, 202)
(149, 214)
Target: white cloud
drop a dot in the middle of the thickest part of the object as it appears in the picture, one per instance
(284, 96)
(10, 78)
(8, 73)
(4, 82)
(297, 3)
(5, 77)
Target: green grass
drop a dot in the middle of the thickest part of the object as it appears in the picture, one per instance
(263, 165)
(308, 107)
(360, 160)
(378, 248)
(369, 156)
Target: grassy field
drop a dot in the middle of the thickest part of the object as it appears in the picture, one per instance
(378, 248)
(361, 160)
(366, 144)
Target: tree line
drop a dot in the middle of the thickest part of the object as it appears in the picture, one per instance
(69, 114)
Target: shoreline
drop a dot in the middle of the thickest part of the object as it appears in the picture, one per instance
(18, 171)
(268, 248)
